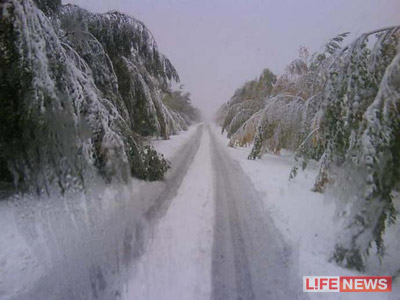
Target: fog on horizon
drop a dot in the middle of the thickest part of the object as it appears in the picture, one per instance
(216, 46)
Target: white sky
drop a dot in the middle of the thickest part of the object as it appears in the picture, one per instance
(217, 45)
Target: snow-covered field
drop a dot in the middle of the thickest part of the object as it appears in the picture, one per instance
(307, 219)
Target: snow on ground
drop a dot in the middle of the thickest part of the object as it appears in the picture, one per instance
(39, 235)
(177, 263)
(35, 233)
(171, 146)
(16, 262)
(306, 219)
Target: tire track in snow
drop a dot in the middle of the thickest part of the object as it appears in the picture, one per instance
(174, 178)
(250, 258)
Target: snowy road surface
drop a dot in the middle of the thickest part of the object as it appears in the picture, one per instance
(250, 258)
(215, 241)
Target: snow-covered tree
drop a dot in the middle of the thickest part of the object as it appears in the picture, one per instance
(278, 126)
(179, 102)
(79, 91)
(245, 135)
(246, 101)
(340, 107)
(353, 82)
(371, 172)
(289, 115)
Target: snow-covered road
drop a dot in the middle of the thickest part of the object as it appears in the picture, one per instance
(250, 258)
(214, 241)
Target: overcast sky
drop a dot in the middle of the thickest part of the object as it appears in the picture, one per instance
(217, 45)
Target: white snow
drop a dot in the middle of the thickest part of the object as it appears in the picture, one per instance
(177, 263)
(16, 262)
(178, 259)
(28, 246)
(306, 219)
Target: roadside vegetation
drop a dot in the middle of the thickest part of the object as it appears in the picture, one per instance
(341, 107)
